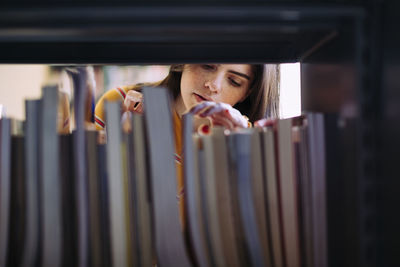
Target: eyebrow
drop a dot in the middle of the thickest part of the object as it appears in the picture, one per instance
(240, 74)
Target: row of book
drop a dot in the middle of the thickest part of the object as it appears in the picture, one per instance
(253, 197)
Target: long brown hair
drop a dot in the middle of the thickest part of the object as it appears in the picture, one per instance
(263, 96)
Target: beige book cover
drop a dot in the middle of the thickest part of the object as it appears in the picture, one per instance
(272, 193)
(289, 193)
(222, 232)
(141, 181)
(193, 194)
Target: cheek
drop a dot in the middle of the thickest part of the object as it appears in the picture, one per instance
(185, 84)
(191, 82)
(233, 97)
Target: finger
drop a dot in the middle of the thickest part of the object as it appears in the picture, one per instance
(235, 117)
(264, 122)
(129, 104)
(126, 122)
(139, 108)
(226, 111)
(132, 99)
(196, 109)
(207, 111)
(213, 110)
(217, 119)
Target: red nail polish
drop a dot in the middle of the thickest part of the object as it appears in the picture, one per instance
(205, 129)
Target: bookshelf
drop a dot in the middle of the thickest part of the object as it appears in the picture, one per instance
(351, 44)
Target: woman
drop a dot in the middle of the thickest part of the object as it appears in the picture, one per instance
(229, 95)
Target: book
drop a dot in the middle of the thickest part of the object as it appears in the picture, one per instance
(116, 193)
(273, 196)
(259, 194)
(243, 250)
(242, 144)
(288, 193)
(79, 79)
(17, 219)
(211, 201)
(316, 150)
(69, 214)
(51, 222)
(127, 149)
(194, 198)
(201, 160)
(127, 198)
(218, 199)
(93, 199)
(5, 186)
(300, 138)
(160, 139)
(141, 186)
(104, 204)
(30, 250)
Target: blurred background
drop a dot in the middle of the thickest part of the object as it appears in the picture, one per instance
(20, 82)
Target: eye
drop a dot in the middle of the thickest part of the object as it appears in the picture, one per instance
(208, 67)
(234, 83)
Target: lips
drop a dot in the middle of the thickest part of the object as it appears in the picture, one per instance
(200, 98)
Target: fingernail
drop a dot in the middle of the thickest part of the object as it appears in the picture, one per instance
(205, 129)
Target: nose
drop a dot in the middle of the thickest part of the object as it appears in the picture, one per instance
(214, 84)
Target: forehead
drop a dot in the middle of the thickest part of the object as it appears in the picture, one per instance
(242, 68)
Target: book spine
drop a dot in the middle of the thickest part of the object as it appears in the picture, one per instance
(318, 187)
(193, 193)
(159, 128)
(115, 185)
(17, 214)
(5, 186)
(144, 216)
(259, 195)
(80, 93)
(272, 193)
(288, 187)
(94, 198)
(32, 198)
(242, 143)
(50, 180)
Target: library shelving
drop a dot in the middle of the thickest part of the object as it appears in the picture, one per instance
(349, 66)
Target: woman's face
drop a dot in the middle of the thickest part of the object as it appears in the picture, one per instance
(227, 83)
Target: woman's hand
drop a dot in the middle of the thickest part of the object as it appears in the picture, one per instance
(220, 114)
(133, 102)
